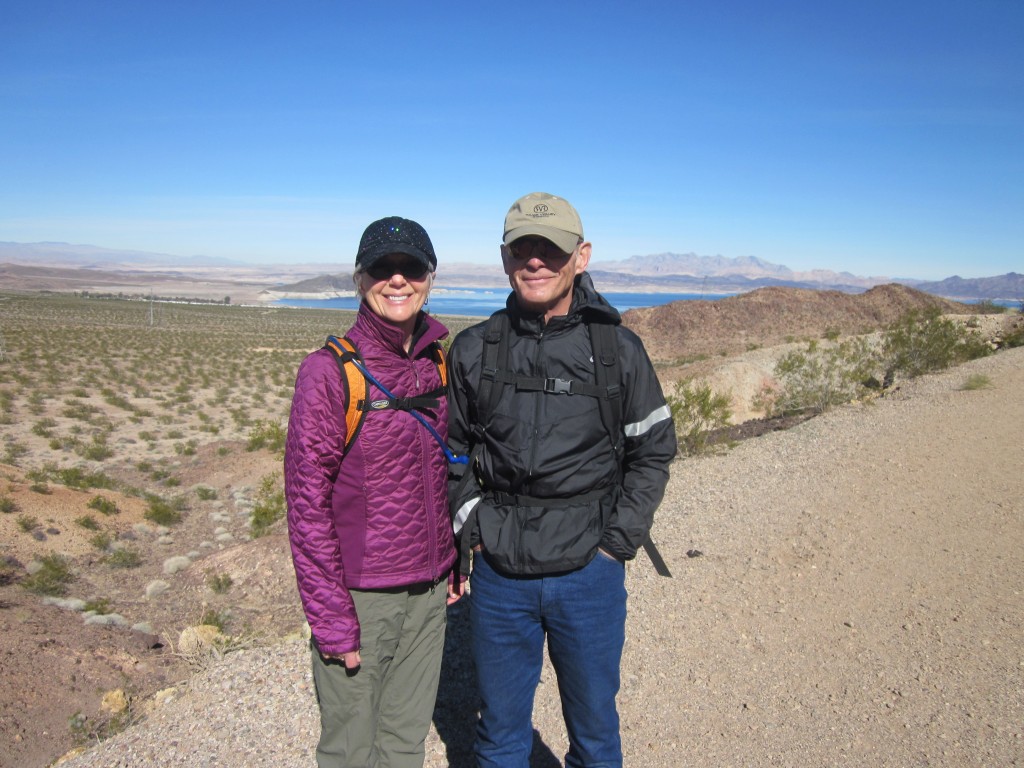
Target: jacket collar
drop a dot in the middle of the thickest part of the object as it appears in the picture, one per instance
(427, 331)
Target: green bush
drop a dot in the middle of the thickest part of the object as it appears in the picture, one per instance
(988, 307)
(266, 434)
(123, 558)
(103, 505)
(88, 522)
(43, 426)
(52, 578)
(27, 523)
(99, 605)
(206, 494)
(977, 381)
(213, 618)
(219, 582)
(696, 411)
(8, 505)
(269, 507)
(1015, 338)
(161, 512)
(923, 342)
(13, 451)
(820, 377)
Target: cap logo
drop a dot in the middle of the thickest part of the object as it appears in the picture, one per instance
(540, 208)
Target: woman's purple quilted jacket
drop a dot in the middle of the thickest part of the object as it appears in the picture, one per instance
(380, 517)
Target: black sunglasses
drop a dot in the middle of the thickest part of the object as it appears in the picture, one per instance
(410, 270)
(525, 248)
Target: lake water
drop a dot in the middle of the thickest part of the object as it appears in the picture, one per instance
(481, 302)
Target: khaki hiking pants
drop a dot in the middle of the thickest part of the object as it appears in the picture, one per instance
(378, 715)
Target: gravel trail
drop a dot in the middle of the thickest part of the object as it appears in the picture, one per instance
(857, 600)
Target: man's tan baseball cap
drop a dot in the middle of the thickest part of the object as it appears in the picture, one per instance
(547, 216)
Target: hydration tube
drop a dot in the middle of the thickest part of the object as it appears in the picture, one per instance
(452, 458)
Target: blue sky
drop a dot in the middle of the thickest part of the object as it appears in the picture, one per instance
(879, 138)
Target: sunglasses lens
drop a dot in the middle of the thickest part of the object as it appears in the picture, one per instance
(410, 270)
(528, 248)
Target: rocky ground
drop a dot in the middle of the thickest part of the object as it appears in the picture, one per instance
(845, 590)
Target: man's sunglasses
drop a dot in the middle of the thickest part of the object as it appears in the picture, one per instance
(410, 270)
(527, 247)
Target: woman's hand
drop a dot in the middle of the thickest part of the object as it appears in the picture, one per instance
(350, 659)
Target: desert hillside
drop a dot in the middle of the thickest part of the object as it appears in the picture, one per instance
(770, 316)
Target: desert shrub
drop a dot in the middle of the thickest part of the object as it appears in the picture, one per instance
(9, 570)
(98, 450)
(103, 505)
(214, 618)
(818, 378)
(924, 342)
(696, 411)
(43, 426)
(88, 522)
(27, 523)
(72, 477)
(161, 512)
(52, 578)
(977, 381)
(12, 452)
(100, 540)
(76, 409)
(988, 307)
(116, 400)
(123, 558)
(8, 505)
(186, 449)
(266, 434)
(1015, 338)
(206, 494)
(99, 605)
(269, 507)
(767, 399)
(219, 582)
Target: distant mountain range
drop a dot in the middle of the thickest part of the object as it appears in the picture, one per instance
(663, 272)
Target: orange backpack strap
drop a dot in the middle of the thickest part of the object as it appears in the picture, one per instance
(354, 383)
(442, 364)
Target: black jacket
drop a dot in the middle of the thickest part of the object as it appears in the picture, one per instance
(555, 449)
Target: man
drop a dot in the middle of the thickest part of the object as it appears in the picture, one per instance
(555, 500)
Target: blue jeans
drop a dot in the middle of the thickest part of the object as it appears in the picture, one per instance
(583, 614)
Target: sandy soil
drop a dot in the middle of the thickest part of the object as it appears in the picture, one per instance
(846, 592)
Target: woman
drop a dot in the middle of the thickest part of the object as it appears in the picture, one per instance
(370, 534)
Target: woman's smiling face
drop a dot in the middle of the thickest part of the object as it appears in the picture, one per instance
(396, 288)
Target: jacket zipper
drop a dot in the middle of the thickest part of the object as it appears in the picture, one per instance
(428, 497)
(536, 411)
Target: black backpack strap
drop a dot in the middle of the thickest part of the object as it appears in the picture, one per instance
(494, 367)
(608, 373)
